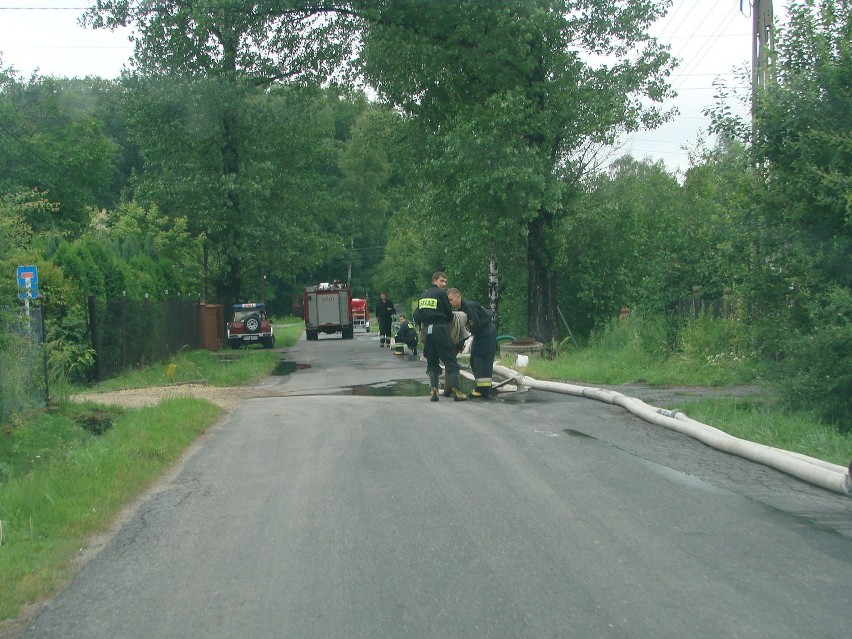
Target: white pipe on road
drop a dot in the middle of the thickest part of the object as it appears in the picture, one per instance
(815, 471)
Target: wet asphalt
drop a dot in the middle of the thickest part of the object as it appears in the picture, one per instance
(348, 505)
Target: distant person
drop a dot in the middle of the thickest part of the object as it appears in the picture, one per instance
(407, 334)
(480, 323)
(384, 312)
(433, 313)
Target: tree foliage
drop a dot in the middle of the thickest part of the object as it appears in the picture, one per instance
(52, 141)
(805, 123)
(227, 57)
(269, 41)
(506, 102)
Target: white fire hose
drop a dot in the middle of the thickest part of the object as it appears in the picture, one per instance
(815, 471)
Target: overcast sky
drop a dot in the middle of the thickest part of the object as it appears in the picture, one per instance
(711, 37)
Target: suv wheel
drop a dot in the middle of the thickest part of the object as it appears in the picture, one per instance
(252, 323)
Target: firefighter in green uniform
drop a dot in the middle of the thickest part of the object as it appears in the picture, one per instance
(433, 313)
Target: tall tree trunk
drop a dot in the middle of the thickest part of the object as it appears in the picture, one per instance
(493, 283)
(541, 282)
(231, 167)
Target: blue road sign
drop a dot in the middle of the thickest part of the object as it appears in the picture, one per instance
(28, 280)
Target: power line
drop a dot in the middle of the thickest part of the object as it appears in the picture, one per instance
(670, 18)
(708, 45)
(31, 150)
(66, 46)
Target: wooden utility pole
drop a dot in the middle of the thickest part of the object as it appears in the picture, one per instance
(763, 41)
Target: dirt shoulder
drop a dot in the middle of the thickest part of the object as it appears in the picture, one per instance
(226, 398)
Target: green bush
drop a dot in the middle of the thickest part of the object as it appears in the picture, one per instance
(815, 373)
(709, 339)
(637, 333)
(21, 368)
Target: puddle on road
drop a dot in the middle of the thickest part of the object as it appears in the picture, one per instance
(285, 368)
(395, 388)
(420, 388)
(398, 388)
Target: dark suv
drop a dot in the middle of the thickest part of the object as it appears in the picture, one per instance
(250, 325)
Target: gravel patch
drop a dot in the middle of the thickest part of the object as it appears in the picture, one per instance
(225, 398)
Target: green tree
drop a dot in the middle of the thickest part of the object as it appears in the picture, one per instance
(365, 172)
(625, 245)
(508, 96)
(804, 140)
(16, 235)
(51, 141)
(133, 230)
(804, 122)
(799, 224)
(225, 53)
(287, 151)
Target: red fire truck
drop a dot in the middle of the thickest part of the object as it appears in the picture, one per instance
(360, 317)
(328, 309)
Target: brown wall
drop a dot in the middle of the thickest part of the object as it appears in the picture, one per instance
(211, 320)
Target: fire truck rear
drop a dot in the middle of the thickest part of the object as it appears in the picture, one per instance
(328, 309)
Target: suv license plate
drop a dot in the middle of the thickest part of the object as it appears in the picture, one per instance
(250, 338)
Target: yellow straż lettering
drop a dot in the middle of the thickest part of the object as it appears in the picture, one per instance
(428, 302)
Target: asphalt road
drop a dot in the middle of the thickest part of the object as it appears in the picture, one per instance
(344, 507)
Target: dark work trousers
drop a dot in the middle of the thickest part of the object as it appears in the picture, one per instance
(482, 353)
(384, 329)
(439, 348)
(411, 342)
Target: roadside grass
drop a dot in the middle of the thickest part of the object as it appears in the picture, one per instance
(756, 421)
(67, 471)
(227, 367)
(63, 483)
(759, 418)
(634, 365)
(224, 368)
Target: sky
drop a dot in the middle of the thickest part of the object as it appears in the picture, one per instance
(712, 38)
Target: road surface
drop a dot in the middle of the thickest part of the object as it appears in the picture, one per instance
(345, 504)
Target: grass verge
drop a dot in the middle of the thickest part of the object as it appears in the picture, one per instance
(760, 419)
(66, 472)
(767, 424)
(52, 501)
(227, 367)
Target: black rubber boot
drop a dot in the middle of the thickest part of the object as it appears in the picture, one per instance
(433, 386)
(455, 389)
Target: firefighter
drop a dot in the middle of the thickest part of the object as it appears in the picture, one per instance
(480, 323)
(407, 334)
(385, 312)
(433, 313)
